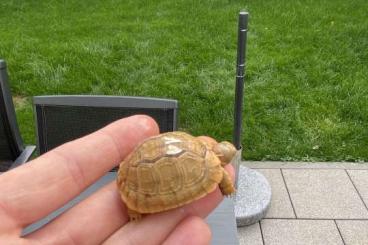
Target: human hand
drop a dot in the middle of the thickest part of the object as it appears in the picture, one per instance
(43, 185)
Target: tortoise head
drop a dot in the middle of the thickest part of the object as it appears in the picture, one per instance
(225, 151)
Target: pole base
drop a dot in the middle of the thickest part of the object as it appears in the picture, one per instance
(253, 196)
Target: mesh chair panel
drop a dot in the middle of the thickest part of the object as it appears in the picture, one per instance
(64, 123)
(5, 165)
(5, 151)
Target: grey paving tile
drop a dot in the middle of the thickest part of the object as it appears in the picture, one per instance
(250, 235)
(327, 165)
(324, 194)
(360, 180)
(354, 232)
(295, 232)
(280, 203)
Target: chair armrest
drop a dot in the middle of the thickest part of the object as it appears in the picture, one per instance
(24, 156)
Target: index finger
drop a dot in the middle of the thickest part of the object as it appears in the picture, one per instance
(46, 183)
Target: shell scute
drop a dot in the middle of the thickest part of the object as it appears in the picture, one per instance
(145, 178)
(194, 169)
(169, 176)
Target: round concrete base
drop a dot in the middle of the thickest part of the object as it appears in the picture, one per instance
(253, 196)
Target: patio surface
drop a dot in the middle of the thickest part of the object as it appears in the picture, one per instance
(312, 203)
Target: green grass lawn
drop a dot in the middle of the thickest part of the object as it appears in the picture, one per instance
(307, 66)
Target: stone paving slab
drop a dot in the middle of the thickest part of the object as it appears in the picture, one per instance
(280, 201)
(323, 194)
(330, 201)
(295, 232)
(327, 165)
(250, 235)
(360, 180)
(353, 231)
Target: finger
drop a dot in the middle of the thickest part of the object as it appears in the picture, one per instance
(192, 230)
(158, 226)
(100, 215)
(89, 222)
(45, 184)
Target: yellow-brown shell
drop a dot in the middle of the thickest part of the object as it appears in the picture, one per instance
(168, 171)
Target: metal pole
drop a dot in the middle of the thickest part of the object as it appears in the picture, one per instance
(239, 87)
(253, 195)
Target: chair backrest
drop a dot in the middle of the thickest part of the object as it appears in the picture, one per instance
(63, 118)
(11, 143)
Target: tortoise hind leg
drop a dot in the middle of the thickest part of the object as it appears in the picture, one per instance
(226, 184)
(133, 215)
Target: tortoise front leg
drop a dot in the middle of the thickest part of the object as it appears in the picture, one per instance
(226, 185)
(133, 215)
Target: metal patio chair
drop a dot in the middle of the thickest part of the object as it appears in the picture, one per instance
(63, 118)
(12, 150)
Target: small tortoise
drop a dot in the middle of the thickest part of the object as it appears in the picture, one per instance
(173, 169)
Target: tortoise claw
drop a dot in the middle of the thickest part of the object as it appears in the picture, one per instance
(133, 215)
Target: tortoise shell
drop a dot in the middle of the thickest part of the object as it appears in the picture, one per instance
(168, 171)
